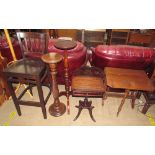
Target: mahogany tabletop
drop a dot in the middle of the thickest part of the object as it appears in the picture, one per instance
(128, 79)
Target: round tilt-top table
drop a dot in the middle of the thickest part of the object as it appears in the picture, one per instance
(66, 45)
(57, 108)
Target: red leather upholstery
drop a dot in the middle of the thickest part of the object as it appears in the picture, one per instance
(5, 50)
(76, 58)
(122, 56)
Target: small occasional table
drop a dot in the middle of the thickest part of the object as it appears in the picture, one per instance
(128, 79)
(66, 45)
(57, 108)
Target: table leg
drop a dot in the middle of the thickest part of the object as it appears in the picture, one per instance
(67, 87)
(79, 112)
(90, 113)
(123, 101)
(146, 107)
(134, 96)
(14, 97)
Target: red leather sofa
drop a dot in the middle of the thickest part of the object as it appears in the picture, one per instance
(123, 56)
(76, 58)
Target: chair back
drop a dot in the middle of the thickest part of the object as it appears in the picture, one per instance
(33, 44)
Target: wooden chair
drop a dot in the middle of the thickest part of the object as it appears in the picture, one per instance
(87, 82)
(33, 44)
(30, 70)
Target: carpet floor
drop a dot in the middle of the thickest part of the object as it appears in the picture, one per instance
(104, 115)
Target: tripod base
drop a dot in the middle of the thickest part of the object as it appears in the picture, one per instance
(85, 105)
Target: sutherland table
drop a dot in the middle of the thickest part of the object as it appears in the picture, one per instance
(128, 79)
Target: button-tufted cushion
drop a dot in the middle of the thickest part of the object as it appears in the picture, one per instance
(122, 56)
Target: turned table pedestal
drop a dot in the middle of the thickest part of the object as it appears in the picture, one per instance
(57, 108)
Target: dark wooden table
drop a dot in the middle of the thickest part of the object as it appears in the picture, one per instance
(130, 80)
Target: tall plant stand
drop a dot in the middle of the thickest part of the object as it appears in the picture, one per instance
(57, 108)
(66, 45)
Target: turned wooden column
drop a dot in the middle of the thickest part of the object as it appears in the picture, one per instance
(66, 45)
(57, 108)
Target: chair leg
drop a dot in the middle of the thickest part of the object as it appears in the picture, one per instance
(41, 97)
(31, 89)
(15, 100)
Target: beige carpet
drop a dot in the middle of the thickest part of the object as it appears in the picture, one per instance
(32, 116)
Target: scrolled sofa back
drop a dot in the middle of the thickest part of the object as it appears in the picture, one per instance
(122, 56)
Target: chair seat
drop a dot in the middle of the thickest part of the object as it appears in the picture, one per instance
(26, 67)
(87, 83)
(88, 79)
